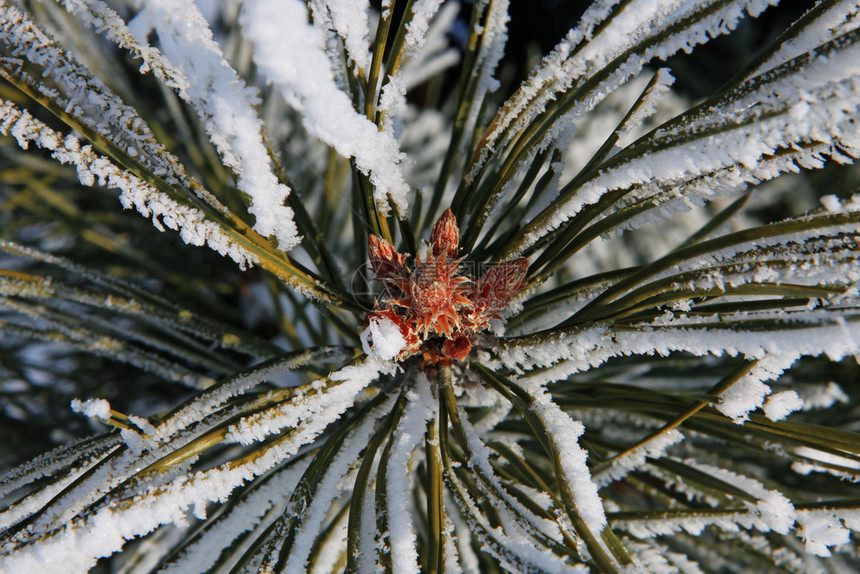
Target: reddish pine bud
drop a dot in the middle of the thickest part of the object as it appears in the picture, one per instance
(457, 348)
(384, 259)
(445, 236)
(499, 284)
(436, 308)
(388, 265)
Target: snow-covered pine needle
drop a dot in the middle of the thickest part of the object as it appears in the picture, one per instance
(95, 169)
(225, 106)
(483, 355)
(291, 55)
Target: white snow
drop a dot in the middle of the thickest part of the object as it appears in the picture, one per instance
(61, 476)
(331, 486)
(773, 511)
(422, 12)
(508, 506)
(624, 465)
(563, 433)
(90, 101)
(434, 56)
(822, 396)
(368, 548)
(654, 558)
(349, 18)
(92, 408)
(399, 476)
(56, 461)
(516, 551)
(382, 338)
(813, 332)
(846, 468)
(79, 542)
(582, 53)
(314, 407)
(749, 393)
(243, 517)
(225, 105)
(291, 54)
(782, 404)
(836, 20)
(657, 89)
(827, 457)
(208, 402)
(687, 161)
(822, 530)
(95, 169)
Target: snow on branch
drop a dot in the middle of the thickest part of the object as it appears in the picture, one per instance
(636, 458)
(316, 510)
(529, 99)
(749, 393)
(195, 421)
(822, 529)
(819, 528)
(514, 550)
(87, 98)
(777, 350)
(225, 105)
(435, 54)
(314, 407)
(268, 495)
(291, 54)
(61, 471)
(516, 514)
(95, 169)
(101, 17)
(408, 435)
(830, 328)
(646, 105)
(426, 53)
(577, 351)
(563, 434)
(561, 133)
(422, 12)
(770, 511)
(836, 462)
(80, 541)
(204, 404)
(494, 36)
(55, 461)
(349, 19)
(657, 558)
(790, 118)
(634, 34)
(823, 23)
(811, 250)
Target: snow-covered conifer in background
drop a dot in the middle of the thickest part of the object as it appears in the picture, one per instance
(392, 308)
